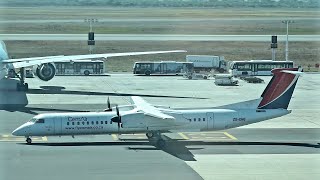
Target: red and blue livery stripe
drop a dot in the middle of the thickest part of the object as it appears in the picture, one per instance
(279, 91)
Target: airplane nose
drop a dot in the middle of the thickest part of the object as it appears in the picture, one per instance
(16, 132)
(20, 131)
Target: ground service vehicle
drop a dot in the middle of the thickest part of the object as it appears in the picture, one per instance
(207, 63)
(163, 67)
(193, 75)
(225, 80)
(80, 67)
(257, 67)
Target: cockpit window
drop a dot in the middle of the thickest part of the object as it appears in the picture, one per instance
(40, 121)
(33, 120)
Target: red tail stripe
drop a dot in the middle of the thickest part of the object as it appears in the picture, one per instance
(279, 84)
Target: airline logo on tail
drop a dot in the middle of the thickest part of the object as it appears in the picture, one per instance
(279, 91)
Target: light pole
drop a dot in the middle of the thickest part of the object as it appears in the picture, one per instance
(287, 41)
(91, 41)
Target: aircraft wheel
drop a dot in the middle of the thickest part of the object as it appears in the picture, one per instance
(149, 134)
(29, 140)
(161, 143)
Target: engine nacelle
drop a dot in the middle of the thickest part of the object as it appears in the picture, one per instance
(45, 72)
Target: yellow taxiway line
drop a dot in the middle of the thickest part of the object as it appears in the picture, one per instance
(230, 136)
(183, 136)
(115, 137)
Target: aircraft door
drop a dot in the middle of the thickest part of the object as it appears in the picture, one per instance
(57, 126)
(210, 120)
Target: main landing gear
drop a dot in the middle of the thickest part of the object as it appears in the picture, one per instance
(29, 140)
(156, 138)
(22, 86)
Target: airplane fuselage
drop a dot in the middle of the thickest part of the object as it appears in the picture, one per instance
(92, 123)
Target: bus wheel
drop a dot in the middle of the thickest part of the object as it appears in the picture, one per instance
(147, 73)
(189, 77)
(86, 72)
(205, 77)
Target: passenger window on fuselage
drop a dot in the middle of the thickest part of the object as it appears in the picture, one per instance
(92, 122)
(195, 119)
(78, 123)
(40, 121)
(199, 119)
(72, 123)
(106, 122)
(97, 122)
(82, 122)
(204, 119)
(110, 122)
(101, 122)
(88, 123)
(68, 123)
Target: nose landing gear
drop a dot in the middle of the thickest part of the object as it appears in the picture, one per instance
(29, 140)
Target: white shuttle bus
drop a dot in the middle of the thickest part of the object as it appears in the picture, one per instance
(162, 68)
(80, 67)
(257, 67)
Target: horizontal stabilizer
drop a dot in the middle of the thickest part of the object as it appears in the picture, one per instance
(252, 104)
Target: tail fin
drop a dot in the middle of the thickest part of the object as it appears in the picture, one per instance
(279, 91)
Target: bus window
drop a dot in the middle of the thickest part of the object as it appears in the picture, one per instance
(268, 66)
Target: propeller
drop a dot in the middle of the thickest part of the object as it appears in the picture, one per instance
(117, 119)
(109, 105)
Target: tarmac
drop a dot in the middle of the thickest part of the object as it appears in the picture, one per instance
(281, 148)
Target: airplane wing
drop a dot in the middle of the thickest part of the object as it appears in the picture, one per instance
(27, 62)
(148, 109)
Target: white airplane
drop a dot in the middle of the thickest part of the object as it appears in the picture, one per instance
(141, 117)
(44, 67)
